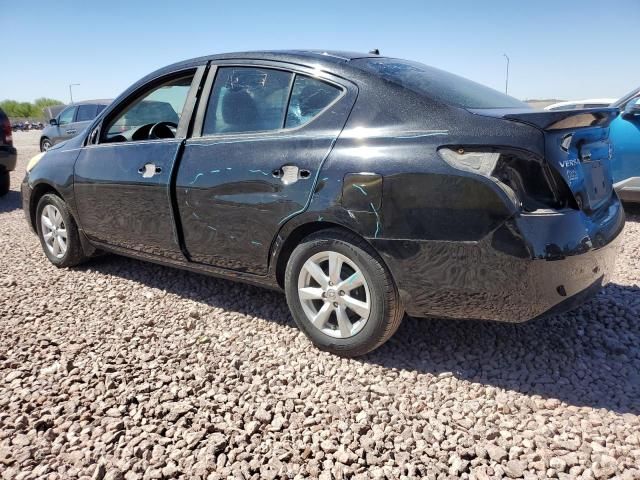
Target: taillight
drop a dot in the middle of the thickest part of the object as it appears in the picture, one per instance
(523, 176)
(6, 129)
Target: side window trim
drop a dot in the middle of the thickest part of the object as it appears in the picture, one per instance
(208, 88)
(204, 101)
(286, 108)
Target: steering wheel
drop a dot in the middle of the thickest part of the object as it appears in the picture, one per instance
(163, 130)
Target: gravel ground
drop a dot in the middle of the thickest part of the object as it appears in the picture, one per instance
(122, 369)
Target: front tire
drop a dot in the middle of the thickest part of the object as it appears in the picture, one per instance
(5, 183)
(58, 232)
(45, 144)
(340, 293)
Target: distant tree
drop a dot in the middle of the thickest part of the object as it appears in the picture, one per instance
(27, 109)
(43, 103)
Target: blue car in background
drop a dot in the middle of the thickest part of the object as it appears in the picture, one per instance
(624, 135)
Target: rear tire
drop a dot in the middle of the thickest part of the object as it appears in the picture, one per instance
(5, 183)
(58, 232)
(350, 308)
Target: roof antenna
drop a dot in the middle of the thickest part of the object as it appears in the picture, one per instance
(375, 51)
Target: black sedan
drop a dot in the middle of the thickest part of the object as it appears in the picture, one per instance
(364, 186)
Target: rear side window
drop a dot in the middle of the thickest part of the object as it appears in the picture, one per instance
(308, 98)
(86, 113)
(246, 99)
(437, 84)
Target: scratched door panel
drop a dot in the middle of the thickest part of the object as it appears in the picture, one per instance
(118, 205)
(231, 204)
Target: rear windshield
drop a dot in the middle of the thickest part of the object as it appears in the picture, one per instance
(437, 84)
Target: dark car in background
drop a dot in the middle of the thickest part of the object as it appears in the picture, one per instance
(8, 153)
(363, 186)
(70, 121)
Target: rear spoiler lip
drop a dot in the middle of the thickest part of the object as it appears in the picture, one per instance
(552, 119)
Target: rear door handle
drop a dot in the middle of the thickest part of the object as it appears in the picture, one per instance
(148, 170)
(291, 174)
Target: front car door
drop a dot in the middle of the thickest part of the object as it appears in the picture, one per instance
(65, 123)
(122, 180)
(261, 136)
(624, 134)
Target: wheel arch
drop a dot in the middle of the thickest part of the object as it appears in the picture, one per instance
(43, 138)
(289, 240)
(39, 191)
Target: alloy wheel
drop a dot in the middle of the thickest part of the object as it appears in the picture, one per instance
(334, 294)
(54, 231)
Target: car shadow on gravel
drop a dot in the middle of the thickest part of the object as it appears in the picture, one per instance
(10, 202)
(589, 357)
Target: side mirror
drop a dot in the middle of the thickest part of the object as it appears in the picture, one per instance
(632, 108)
(53, 121)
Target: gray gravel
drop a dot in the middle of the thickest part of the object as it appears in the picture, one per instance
(125, 370)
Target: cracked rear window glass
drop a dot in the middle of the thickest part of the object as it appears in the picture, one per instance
(437, 84)
(246, 99)
(309, 97)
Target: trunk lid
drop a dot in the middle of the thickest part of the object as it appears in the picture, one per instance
(576, 146)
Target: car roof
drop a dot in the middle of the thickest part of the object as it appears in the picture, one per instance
(327, 57)
(335, 56)
(91, 102)
(603, 101)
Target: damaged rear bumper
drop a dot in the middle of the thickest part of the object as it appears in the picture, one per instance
(533, 265)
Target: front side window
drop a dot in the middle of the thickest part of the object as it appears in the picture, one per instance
(246, 99)
(155, 114)
(66, 116)
(86, 113)
(309, 97)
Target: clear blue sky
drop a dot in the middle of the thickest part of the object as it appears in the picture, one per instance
(559, 49)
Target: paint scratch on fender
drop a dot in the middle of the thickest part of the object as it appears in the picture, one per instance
(375, 235)
(359, 187)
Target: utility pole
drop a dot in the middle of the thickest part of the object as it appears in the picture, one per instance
(71, 91)
(506, 82)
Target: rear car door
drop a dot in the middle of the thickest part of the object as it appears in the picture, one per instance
(122, 177)
(261, 136)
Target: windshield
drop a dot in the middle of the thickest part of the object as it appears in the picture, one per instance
(438, 84)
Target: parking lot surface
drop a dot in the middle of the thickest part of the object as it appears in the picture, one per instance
(124, 369)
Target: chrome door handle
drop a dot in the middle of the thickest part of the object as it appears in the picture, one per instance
(291, 174)
(148, 170)
(71, 132)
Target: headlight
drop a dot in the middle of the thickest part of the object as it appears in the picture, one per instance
(34, 161)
